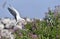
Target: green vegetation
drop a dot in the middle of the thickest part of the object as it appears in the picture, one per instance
(49, 28)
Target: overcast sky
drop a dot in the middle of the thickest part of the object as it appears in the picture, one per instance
(28, 8)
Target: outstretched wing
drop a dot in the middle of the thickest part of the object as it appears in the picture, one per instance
(15, 13)
(12, 11)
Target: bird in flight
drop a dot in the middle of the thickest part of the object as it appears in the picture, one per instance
(15, 13)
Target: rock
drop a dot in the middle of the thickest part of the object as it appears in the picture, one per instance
(13, 21)
(1, 26)
(10, 25)
(7, 34)
(18, 27)
(5, 21)
(12, 37)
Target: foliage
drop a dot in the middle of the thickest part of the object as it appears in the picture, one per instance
(41, 29)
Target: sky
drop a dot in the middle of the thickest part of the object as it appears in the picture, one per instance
(28, 8)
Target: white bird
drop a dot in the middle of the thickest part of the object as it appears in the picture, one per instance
(15, 13)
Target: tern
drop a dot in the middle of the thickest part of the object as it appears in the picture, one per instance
(15, 13)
